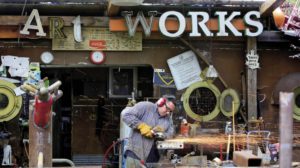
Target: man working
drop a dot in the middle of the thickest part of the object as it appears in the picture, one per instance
(146, 119)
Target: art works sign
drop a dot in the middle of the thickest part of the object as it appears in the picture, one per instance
(198, 21)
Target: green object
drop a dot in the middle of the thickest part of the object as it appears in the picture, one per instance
(227, 97)
(186, 105)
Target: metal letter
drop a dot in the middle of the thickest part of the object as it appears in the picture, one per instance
(204, 28)
(77, 29)
(55, 25)
(38, 25)
(254, 23)
(226, 22)
(139, 18)
(181, 22)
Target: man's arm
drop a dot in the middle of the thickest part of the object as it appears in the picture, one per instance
(133, 116)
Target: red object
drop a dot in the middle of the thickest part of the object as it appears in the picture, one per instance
(221, 152)
(97, 57)
(99, 44)
(184, 129)
(42, 112)
(161, 102)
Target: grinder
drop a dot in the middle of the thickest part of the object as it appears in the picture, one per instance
(159, 136)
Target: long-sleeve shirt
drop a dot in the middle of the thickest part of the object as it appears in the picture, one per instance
(145, 112)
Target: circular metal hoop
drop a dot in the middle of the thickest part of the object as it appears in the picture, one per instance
(235, 98)
(14, 103)
(188, 109)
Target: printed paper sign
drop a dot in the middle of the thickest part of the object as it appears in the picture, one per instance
(185, 69)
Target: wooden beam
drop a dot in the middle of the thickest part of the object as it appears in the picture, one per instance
(40, 140)
(269, 6)
(172, 25)
(112, 10)
(251, 83)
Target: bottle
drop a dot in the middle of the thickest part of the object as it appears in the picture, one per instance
(228, 128)
(184, 128)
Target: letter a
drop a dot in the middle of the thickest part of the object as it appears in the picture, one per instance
(38, 26)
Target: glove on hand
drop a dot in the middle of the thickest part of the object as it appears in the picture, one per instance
(145, 130)
(158, 129)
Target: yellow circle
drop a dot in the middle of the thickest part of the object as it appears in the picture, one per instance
(14, 102)
(187, 107)
(236, 100)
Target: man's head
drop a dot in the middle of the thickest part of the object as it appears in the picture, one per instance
(165, 107)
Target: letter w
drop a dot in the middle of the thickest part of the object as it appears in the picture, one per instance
(139, 18)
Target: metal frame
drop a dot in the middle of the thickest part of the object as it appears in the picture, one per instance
(134, 84)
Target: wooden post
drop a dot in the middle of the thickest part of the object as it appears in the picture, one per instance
(286, 129)
(251, 83)
(40, 140)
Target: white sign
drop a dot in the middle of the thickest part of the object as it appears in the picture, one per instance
(185, 69)
(252, 60)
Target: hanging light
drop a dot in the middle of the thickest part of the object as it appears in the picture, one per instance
(279, 18)
(127, 2)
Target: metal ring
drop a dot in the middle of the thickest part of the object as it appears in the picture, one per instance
(187, 107)
(14, 102)
(235, 98)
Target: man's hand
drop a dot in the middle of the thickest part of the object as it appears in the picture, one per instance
(158, 129)
(145, 130)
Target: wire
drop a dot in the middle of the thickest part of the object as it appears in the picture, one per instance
(109, 149)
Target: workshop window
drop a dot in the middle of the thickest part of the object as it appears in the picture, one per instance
(122, 82)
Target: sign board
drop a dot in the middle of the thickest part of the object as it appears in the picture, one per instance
(252, 60)
(98, 39)
(185, 69)
(163, 79)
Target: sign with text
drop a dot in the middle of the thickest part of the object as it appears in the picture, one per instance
(98, 39)
(164, 79)
(252, 60)
(185, 69)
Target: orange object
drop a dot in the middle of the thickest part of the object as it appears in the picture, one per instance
(279, 18)
(184, 129)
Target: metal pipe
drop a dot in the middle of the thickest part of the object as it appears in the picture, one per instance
(62, 160)
(286, 128)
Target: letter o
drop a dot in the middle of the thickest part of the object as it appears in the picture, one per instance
(162, 24)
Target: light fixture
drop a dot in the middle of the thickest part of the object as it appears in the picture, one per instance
(47, 57)
(127, 2)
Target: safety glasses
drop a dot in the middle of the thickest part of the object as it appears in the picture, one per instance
(168, 108)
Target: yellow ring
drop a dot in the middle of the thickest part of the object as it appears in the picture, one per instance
(236, 100)
(187, 107)
(14, 102)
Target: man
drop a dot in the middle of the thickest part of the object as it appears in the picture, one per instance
(146, 118)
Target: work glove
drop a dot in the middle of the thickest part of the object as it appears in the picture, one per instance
(145, 130)
(158, 129)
